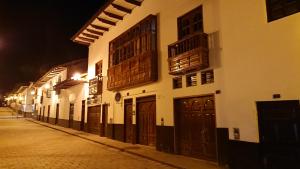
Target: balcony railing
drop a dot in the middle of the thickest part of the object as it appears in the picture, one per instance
(189, 54)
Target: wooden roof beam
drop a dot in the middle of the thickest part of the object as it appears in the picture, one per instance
(107, 21)
(134, 2)
(99, 27)
(121, 8)
(112, 15)
(82, 43)
(90, 35)
(86, 39)
(94, 32)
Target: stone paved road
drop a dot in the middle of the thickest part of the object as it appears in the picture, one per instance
(25, 145)
(7, 113)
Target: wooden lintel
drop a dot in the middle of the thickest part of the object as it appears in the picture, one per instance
(112, 15)
(107, 21)
(99, 27)
(134, 2)
(86, 39)
(90, 35)
(121, 8)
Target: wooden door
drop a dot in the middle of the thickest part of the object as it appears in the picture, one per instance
(71, 115)
(93, 119)
(103, 126)
(82, 115)
(279, 131)
(195, 127)
(48, 114)
(146, 120)
(40, 114)
(57, 113)
(44, 113)
(128, 121)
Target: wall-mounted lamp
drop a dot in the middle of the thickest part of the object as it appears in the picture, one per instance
(32, 92)
(76, 76)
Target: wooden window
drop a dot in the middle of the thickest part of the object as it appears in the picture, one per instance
(190, 23)
(98, 68)
(177, 82)
(136, 41)
(277, 9)
(133, 56)
(191, 80)
(48, 93)
(207, 77)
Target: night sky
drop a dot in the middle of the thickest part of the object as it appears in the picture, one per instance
(35, 35)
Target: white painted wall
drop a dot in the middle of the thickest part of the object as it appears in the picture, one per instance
(74, 95)
(252, 59)
(167, 34)
(260, 59)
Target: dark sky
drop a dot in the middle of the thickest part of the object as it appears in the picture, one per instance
(35, 35)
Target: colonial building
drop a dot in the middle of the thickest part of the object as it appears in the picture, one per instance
(60, 95)
(21, 100)
(197, 77)
(159, 82)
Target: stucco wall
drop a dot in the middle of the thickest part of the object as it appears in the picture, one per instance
(260, 59)
(167, 34)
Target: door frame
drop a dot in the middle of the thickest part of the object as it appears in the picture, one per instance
(71, 120)
(57, 113)
(48, 114)
(104, 119)
(175, 119)
(82, 115)
(44, 113)
(125, 124)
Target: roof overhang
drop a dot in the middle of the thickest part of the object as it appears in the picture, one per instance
(21, 89)
(49, 75)
(105, 18)
(68, 83)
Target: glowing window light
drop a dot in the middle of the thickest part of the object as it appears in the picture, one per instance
(47, 86)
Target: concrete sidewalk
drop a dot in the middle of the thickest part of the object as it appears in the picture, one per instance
(176, 161)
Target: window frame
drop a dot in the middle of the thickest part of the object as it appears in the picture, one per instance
(284, 7)
(190, 15)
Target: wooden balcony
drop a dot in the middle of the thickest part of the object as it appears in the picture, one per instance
(189, 54)
(137, 70)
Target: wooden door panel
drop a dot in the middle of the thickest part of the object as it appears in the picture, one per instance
(147, 121)
(196, 127)
(93, 119)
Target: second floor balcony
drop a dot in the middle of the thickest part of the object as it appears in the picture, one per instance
(189, 54)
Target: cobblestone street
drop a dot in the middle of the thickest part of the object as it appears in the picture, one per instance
(26, 145)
